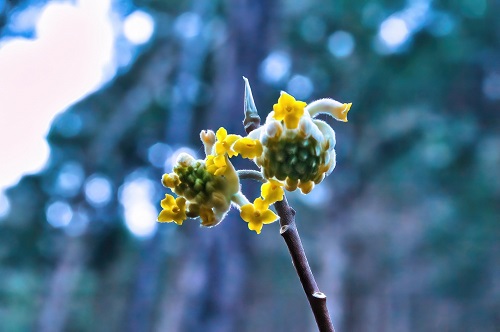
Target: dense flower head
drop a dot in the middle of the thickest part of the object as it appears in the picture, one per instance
(298, 150)
(208, 195)
(292, 149)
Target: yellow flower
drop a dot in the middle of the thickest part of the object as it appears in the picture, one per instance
(173, 210)
(248, 147)
(216, 164)
(272, 191)
(170, 180)
(257, 214)
(289, 109)
(224, 142)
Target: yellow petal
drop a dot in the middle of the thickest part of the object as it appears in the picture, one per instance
(268, 217)
(292, 120)
(181, 203)
(221, 171)
(179, 219)
(279, 112)
(170, 180)
(289, 109)
(272, 191)
(166, 216)
(260, 205)
(220, 161)
(230, 139)
(247, 212)
(221, 134)
(255, 226)
(248, 147)
(220, 149)
(228, 142)
(216, 165)
(341, 113)
(168, 202)
(212, 169)
(286, 99)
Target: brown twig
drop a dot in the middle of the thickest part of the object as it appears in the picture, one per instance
(289, 232)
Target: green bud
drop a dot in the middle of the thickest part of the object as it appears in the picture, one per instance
(303, 155)
(198, 185)
(193, 210)
(291, 148)
(279, 156)
(210, 187)
(300, 168)
(201, 198)
(191, 179)
(189, 193)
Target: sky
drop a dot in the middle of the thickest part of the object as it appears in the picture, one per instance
(72, 54)
(43, 76)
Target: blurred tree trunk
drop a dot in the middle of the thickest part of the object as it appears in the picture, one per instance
(209, 286)
(65, 278)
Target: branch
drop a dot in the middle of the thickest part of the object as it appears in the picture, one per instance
(289, 232)
(248, 174)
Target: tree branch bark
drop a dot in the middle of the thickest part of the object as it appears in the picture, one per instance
(289, 232)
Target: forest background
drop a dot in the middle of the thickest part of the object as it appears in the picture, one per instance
(403, 236)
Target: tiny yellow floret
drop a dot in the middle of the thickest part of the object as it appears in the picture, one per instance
(248, 148)
(224, 142)
(289, 110)
(272, 191)
(257, 214)
(173, 210)
(341, 112)
(170, 180)
(216, 164)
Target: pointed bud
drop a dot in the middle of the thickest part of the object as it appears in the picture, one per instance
(252, 118)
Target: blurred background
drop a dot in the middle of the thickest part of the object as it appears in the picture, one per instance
(97, 97)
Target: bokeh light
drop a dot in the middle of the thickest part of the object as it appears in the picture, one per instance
(59, 214)
(98, 190)
(300, 86)
(341, 44)
(138, 27)
(136, 197)
(275, 67)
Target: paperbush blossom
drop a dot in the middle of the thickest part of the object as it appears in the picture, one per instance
(298, 150)
(292, 149)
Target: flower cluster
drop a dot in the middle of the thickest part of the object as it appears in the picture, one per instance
(298, 150)
(201, 193)
(292, 149)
